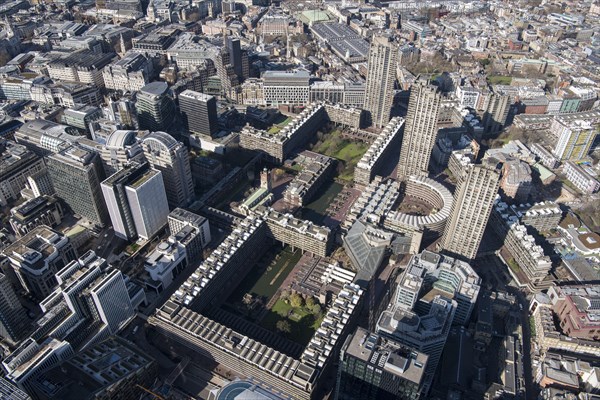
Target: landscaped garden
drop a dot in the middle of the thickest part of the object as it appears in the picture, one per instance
(347, 152)
(294, 317)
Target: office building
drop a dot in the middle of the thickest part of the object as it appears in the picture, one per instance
(81, 116)
(575, 138)
(37, 257)
(433, 293)
(235, 56)
(425, 328)
(379, 92)
(576, 310)
(291, 88)
(45, 137)
(31, 359)
(156, 42)
(76, 174)
(373, 367)
(494, 112)
(572, 307)
(10, 391)
(226, 73)
(136, 201)
(17, 162)
(40, 183)
(473, 201)
(97, 299)
(189, 53)
(129, 74)
(67, 94)
(164, 263)
(121, 148)
(199, 112)
(155, 108)
(171, 158)
(42, 210)
(329, 91)
(113, 368)
(449, 276)
(14, 323)
(83, 66)
(191, 230)
(122, 112)
(420, 130)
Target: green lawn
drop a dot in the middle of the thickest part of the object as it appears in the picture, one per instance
(513, 265)
(346, 151)
(499, 80)
(532, 326)
(279, 125)
(265, 282)
(303, 323)
(297, 167)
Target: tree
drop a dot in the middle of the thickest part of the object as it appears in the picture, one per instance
(284, 295)
(316, 310)
(310, 302)
(296, 300)
(283, 326)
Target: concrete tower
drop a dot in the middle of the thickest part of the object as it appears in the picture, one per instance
(421, 130)
(379, 93)
(473, 201)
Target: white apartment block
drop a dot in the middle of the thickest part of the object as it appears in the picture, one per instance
(575, 137)
(579, 177)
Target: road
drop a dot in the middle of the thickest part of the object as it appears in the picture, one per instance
(492, 266)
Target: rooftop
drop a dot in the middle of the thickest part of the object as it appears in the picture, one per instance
(379, 352)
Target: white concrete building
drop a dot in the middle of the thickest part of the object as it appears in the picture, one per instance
(579, 177)
(136, 201)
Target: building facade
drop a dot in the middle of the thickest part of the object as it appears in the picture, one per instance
(17, 162)
(155, 109)
(14, 324)
(76, 174)
(199, 112)
(420, 131)
(37, 257)
(575, 138)
(136, 201)
(379, 91)
(376, 368)
(171, 158)
(473, 201)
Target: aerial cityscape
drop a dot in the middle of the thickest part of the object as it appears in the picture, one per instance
(299, 199)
